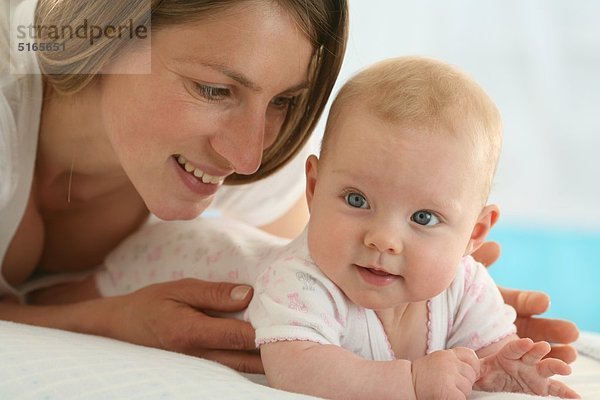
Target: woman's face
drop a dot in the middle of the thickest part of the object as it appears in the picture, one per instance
(217, 96)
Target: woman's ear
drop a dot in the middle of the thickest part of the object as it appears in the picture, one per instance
(311, 177)
(487, 218)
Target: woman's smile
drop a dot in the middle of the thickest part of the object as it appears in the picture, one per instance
(205, 177)
(194, 183)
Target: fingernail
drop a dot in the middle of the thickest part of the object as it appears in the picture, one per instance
(239, 292)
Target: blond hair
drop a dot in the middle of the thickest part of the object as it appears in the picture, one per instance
(429, 95)
(325, 23)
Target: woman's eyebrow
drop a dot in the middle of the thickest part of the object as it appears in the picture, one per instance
(236, 76)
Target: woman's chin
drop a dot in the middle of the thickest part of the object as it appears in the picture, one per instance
(180, 211)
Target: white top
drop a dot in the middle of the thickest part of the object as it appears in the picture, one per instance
(293, 299)
(20, 106)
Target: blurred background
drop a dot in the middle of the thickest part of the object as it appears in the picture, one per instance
(540, 61)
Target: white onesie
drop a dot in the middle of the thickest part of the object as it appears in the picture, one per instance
(293, 300)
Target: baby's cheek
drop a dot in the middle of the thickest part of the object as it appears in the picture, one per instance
(437, 278)
(320, 255)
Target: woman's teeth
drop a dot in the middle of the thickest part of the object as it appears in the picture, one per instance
(198, 173)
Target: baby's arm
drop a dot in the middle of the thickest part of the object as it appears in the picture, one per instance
(332, 372)
(517, 365)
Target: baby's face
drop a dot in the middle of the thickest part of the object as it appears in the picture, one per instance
(392, 211)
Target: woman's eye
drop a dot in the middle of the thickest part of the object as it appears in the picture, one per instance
(426, 218)
(356, 200)
(211, 93)
(283, 102)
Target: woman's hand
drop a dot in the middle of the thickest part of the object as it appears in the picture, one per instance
(528, 304)
(166, 315)
(169, 316)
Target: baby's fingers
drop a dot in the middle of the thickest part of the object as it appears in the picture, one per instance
(536, 353)
(560, 389)
(552, 366)
(516, 349)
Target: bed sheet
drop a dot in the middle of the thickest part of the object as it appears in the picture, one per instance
(41, 363)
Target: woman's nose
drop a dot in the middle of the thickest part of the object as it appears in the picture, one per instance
(242, 141)
(384, 237)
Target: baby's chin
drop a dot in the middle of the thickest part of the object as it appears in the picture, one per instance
(376, 302)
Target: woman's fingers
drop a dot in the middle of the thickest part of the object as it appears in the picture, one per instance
(549, 330)
(216, 296)
(488, 253)
(221, 334)
(526, 303)
(248, 362)
(172, 316)
(567, 353)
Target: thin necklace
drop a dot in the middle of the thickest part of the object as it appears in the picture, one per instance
(70, 178)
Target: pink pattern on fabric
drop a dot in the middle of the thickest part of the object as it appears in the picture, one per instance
(278, 282)
(326, 319)
(512, 331)
(260, 342)
(116, 277)
(178, 274)
(295, 303)
(429, 334)
(262, 257)
(468, 271)
(155, 254)
(475, 341)
(336, 311)
(477, 291)
(136, 278)
(266, 277)
(234, 275)
(213, 258)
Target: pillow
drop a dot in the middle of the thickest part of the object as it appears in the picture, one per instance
(42, 363)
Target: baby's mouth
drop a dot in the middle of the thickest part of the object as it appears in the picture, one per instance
(197, 172)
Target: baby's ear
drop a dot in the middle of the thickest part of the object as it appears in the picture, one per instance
(487, 218)
(311, 177)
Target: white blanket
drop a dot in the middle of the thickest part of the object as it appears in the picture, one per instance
(40, 363)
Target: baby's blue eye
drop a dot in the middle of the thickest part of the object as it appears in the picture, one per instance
(356, 200)
(424, 217)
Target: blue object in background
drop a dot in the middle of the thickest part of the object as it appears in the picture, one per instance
(563, 264)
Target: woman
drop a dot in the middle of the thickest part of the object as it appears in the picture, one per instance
(226, 92)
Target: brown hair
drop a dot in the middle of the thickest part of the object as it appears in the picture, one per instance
(325, 23)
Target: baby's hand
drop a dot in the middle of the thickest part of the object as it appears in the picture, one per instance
(518, 367)
(447, 374)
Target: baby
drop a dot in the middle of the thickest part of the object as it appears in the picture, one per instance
(379, 297)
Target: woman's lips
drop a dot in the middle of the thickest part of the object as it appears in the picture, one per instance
(202, 175)
(193, 183)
